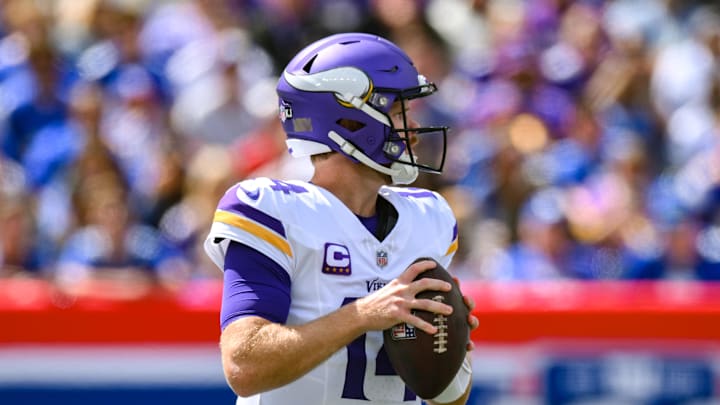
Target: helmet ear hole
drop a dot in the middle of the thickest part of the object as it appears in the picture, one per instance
(350, 125)
(309, 64)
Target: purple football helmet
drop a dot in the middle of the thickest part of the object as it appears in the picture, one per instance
(356, 78)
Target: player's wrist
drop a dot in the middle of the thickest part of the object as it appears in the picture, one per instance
(458, 386)
(357, 317)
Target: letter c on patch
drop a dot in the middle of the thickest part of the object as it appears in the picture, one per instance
(337, 255)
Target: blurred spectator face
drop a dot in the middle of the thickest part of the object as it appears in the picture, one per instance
(397, 14)
(506, 19)
(25, 17)
(596, 209)
(580, 27)
(219, 12)
(121, 24)
(287, 9)
(109, 210)
(101, 201)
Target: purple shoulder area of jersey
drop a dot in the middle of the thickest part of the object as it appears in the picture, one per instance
(231, 203)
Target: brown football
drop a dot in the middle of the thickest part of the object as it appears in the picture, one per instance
(427, 363)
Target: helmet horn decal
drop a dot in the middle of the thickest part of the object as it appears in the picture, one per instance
(346, 81)
(351, 86)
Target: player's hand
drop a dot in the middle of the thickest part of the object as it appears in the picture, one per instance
(395, 302)
(473, 321)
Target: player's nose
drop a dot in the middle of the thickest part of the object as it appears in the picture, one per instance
(412, 135)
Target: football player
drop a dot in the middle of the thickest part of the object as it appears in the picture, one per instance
(315, 271)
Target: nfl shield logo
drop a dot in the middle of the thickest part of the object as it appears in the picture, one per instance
(381, 258)
(403, 331)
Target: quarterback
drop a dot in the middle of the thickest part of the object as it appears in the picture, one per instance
(315, 271)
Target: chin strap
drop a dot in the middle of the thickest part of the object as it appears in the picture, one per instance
(399, 172)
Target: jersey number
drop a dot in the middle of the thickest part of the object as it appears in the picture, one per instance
(277, 185)
(357, 365)
(287, 188)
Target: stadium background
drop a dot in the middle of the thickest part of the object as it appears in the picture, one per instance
(584, 168)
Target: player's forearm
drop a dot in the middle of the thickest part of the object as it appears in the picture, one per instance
(458, 391)
(259, 355)
(460, 401)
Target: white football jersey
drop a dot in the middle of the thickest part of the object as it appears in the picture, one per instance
(332, 259)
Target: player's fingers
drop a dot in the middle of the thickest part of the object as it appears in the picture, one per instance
(428, 284)
(422, 324)
(415, 269)
(469, 302)
(473, 321)
(429, 305)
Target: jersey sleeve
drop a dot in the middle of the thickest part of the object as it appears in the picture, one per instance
(250, 213)
(253, 285)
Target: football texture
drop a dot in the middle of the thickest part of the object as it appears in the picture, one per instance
(427, 363)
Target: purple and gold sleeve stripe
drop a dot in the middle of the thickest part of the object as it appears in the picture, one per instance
(454, 244)
(254, 222)
(230, 203)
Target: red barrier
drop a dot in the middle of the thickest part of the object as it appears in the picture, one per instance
(518, 312)
(35, 312)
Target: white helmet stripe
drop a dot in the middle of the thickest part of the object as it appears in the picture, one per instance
(342, 80)
(348, 83)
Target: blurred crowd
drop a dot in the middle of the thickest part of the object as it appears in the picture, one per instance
(584, 143)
